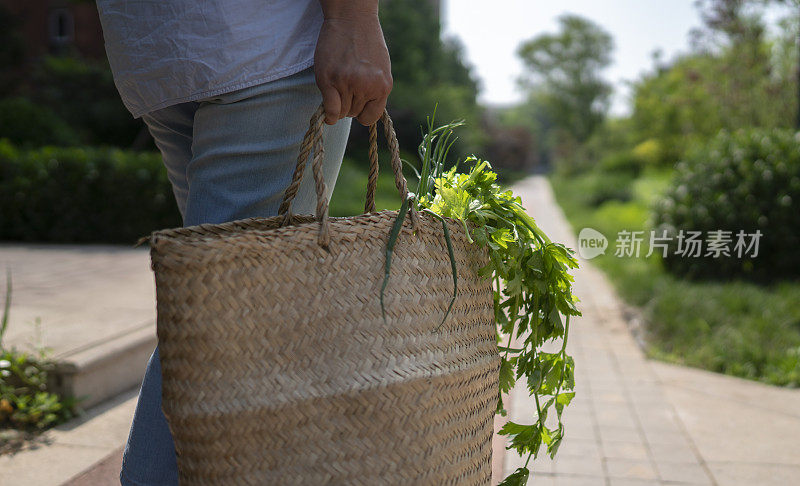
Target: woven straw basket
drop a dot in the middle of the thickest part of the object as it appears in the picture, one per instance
(278, 367)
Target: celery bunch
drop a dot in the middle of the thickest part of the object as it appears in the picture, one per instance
(531, 281)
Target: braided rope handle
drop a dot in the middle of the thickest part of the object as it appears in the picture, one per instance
(312, 146)
(372, 180)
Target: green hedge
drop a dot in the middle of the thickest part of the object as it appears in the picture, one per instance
(32, 125)
(99, 195)
(82, 93)
(746, 180)
(624, 162)
(596, 187)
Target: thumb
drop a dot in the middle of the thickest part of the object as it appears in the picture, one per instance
(332, 102)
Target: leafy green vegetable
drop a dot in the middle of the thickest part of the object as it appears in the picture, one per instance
(447, 240)
(517, 478)
(531, 282)
(395, 232)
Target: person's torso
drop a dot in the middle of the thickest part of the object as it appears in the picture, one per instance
(164, 52)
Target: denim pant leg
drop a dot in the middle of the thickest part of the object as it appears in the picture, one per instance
(228, 157)
(245, 149)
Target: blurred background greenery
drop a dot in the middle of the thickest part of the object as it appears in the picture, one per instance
(709, 143)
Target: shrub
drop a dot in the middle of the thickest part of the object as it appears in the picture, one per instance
(596, 188)
(26, 399)
(83, 195)
(28, 124)
(649, 152)
(621, 162)
(749, 181)
(82, 92)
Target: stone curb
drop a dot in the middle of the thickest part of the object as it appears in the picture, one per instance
(101, 372)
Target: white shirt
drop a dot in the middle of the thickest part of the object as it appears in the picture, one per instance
(164, 52)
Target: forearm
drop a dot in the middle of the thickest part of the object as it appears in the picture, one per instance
(348, 9)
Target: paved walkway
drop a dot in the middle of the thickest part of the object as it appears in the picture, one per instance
(83, 295)
(83, 452)
(633, 421)
(640, 422)
(90, 300)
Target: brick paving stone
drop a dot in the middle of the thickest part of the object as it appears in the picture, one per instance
(571, 446)
(633, 482)
(630, 468)
(579, 465)
(683, 472)
(635, 450)
(672, 453)
(737, 473)
(616, 433)
(566, 480)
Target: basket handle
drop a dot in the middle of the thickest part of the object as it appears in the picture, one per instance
(312, 143)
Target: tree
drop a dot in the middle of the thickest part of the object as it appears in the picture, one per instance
(677, 105)
(737, 77)
(533, 116)
(427, 71)
(730, 18)
(740, 25)
(564, 69)
(796, 5)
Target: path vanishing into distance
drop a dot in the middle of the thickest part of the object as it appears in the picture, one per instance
(634, 421)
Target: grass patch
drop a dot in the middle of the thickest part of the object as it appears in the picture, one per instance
(734, 327)
(351, 188)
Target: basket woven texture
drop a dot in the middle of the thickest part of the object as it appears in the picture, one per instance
(278, 367)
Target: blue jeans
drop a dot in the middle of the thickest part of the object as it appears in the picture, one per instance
(228, 157)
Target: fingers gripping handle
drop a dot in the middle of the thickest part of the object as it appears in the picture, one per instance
(312, 145)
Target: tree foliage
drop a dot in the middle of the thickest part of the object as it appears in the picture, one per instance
(737, 77)
(564, 70)
(427, 71)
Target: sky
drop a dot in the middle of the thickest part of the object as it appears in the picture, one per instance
(491, 31)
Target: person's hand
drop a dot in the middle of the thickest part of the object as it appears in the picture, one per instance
(351, 63)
